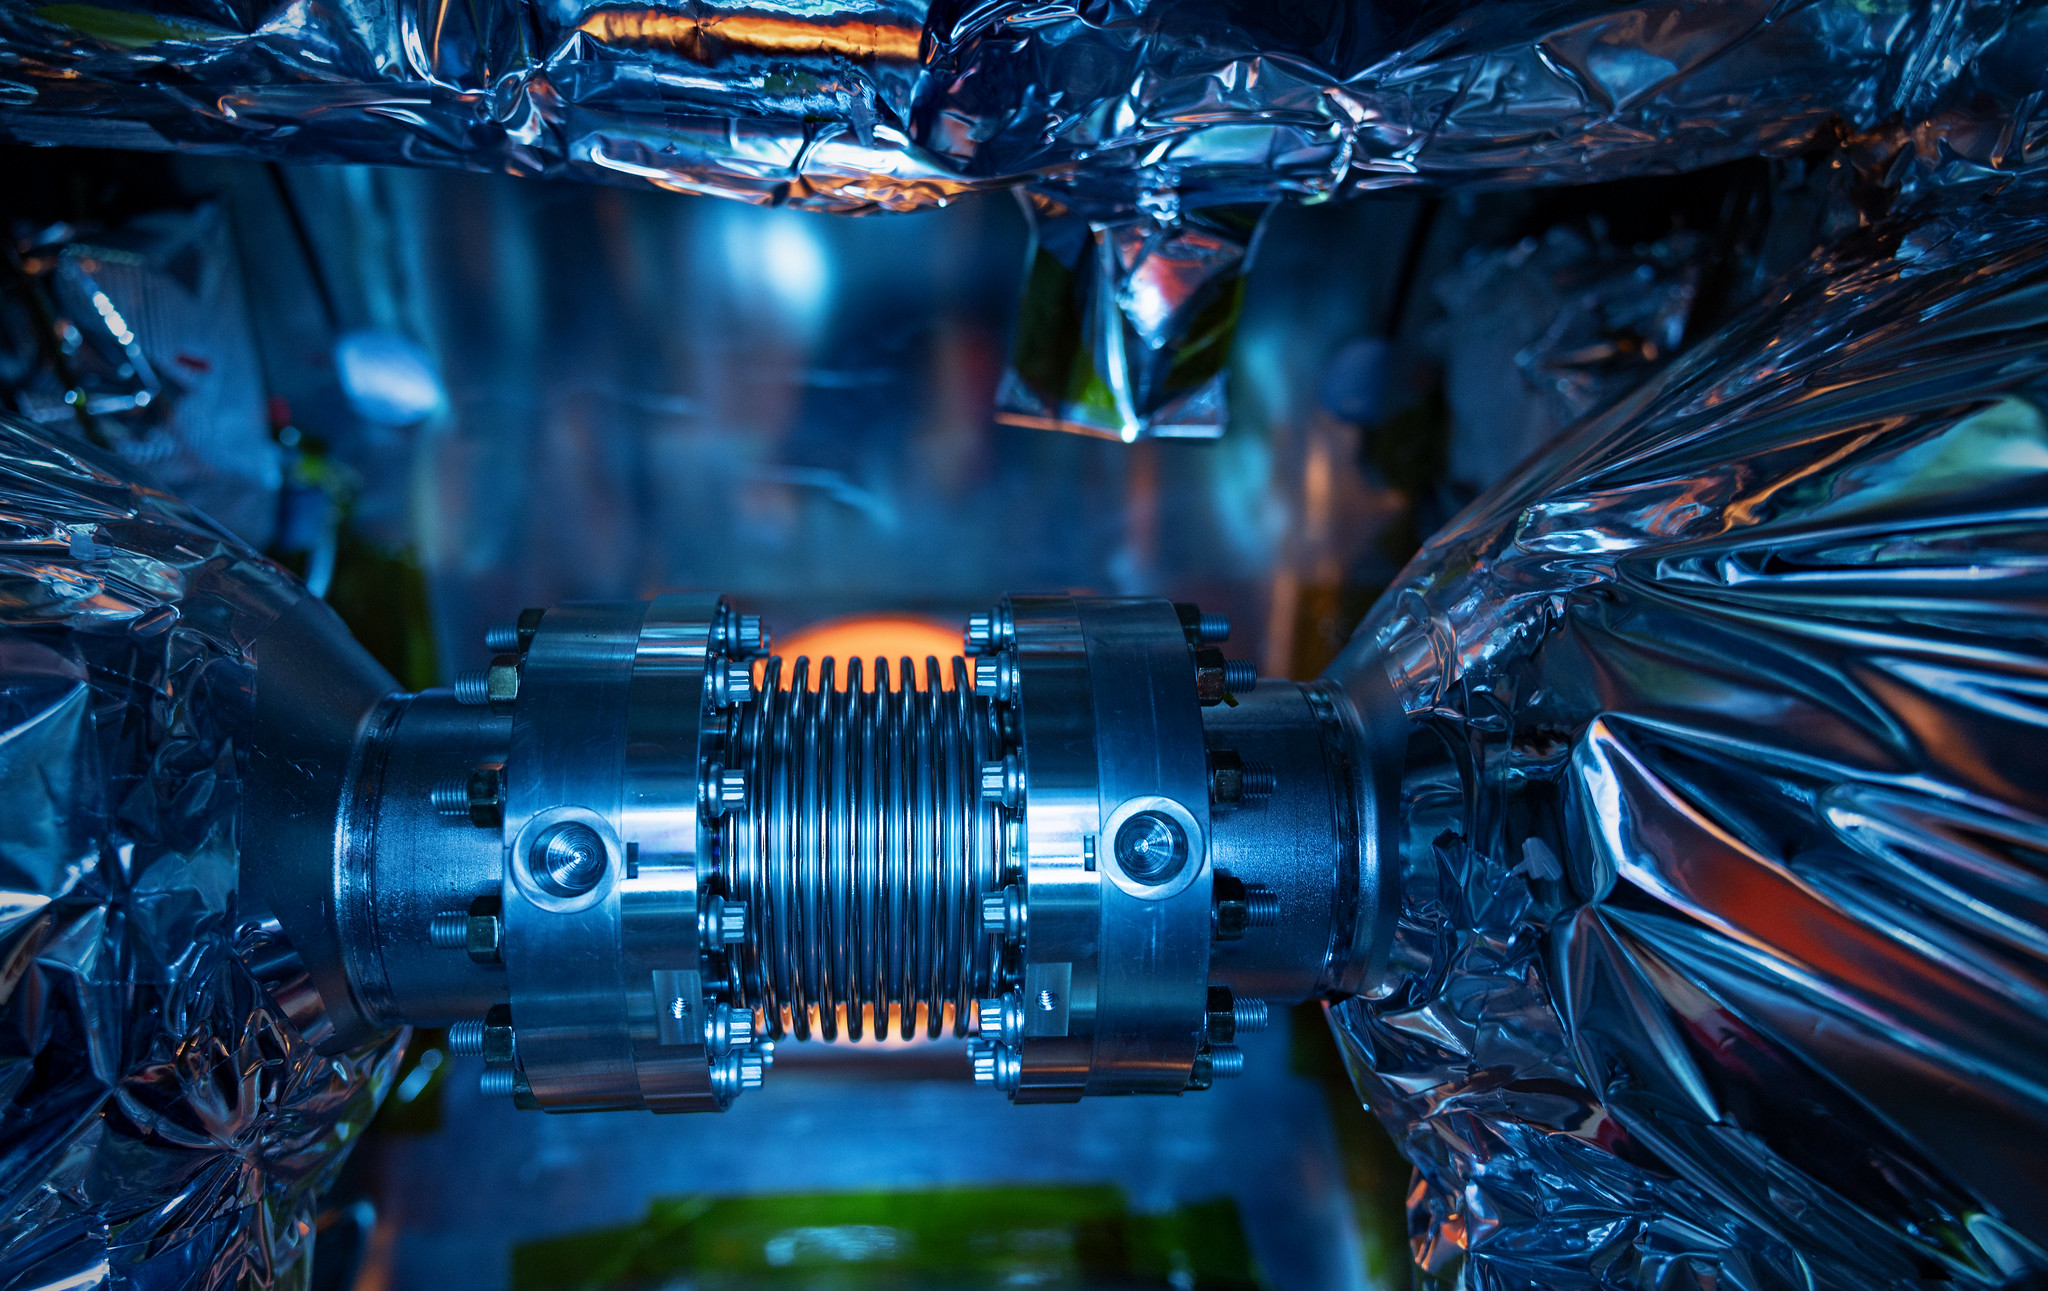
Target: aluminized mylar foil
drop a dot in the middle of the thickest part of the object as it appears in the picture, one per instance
(1723, 954)
(1130, 117)
(860, 104)
(162, 1124)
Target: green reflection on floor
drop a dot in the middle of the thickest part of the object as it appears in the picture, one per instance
(986, 1237)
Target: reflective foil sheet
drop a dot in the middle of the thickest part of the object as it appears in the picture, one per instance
(865, 104)
(1723, 954)
(163, 1125)
(1127, 323)
(1134, 120)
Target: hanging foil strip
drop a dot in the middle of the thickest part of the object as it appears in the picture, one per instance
(1723, 959)
(1126, 324)
(163, 1123)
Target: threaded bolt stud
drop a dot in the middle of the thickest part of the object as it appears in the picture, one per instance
(1240, 676)
(1225, 1061)
(1213, 628)
(497, 1082)
(1262, 906)
(449, 930)
(466, 1038)
(1249, 1015)
(473, 687)
(451, 798)
(501, 638)
(1259, 780)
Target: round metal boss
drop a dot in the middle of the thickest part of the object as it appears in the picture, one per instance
(567, 859)
(1151, 847)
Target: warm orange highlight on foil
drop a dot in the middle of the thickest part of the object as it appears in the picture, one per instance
(705, 37)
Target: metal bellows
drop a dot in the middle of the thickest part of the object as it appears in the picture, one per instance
(864, 849)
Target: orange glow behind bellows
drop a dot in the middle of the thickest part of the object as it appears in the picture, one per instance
(868, 637)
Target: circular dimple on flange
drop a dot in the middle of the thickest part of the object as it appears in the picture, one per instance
(1151, 847)
(567, 859)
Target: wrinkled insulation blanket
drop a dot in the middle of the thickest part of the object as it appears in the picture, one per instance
(1150, 134)
(1723, 955)
(163, 1125)
(860, 104)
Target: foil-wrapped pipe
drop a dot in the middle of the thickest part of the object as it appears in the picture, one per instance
(1723, 957)
(143, 990)
(1127, 323)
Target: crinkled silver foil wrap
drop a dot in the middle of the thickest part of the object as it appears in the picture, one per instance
(1723, 953)
(1126, 324)
(858, 104)
(1130, 117)
(161, 1123)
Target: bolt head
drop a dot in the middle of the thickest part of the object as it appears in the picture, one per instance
(994, 914)
(502, 681)
(484, 938)
(995, 1064)
(739, 683)
(1003, 782)
(732, 789)
(988, 1016)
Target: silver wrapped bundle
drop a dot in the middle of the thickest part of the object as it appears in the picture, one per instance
(900, 103)
(1130, 117)
(1723, 958)
(164, 1123)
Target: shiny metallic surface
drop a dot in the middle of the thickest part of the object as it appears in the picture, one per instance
(449, 930)
(684, 871)
(609, 741)
(131, 906)
(1722, 819)
(865, 849)
(1115, 964)
(848, 107)
(407, 866)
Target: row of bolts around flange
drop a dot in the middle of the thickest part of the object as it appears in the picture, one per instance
(1238, 906)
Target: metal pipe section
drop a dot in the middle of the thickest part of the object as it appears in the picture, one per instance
(627, 857)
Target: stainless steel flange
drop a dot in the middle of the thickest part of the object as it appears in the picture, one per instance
(631, 856)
